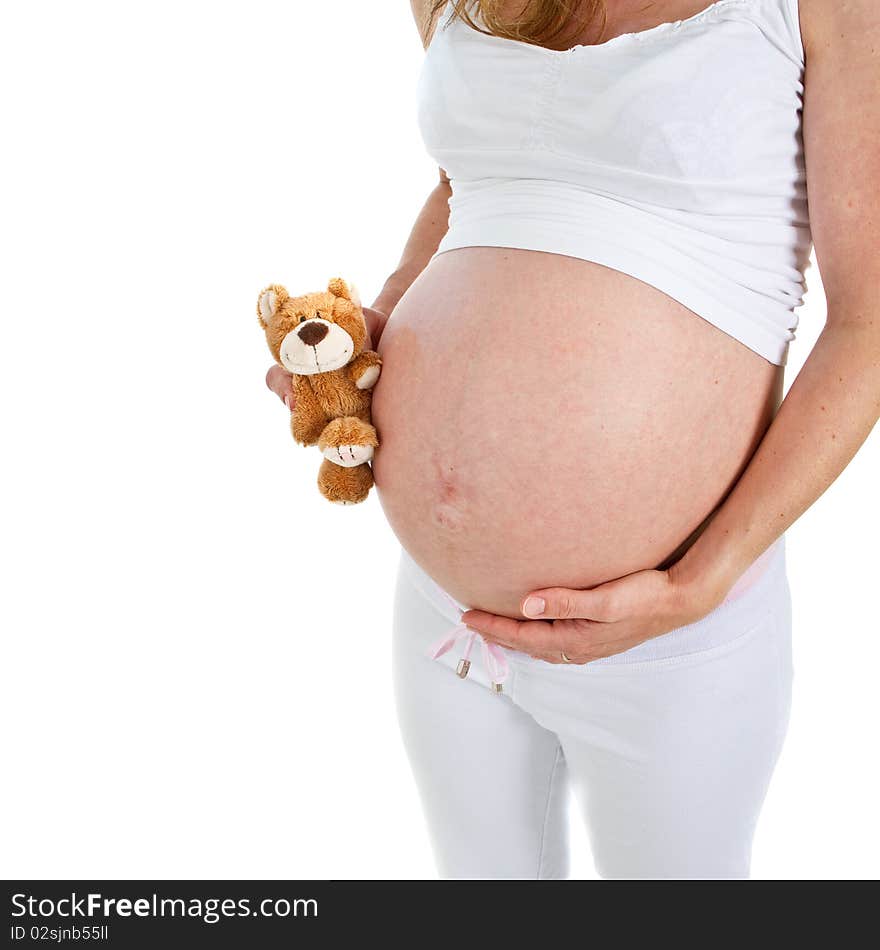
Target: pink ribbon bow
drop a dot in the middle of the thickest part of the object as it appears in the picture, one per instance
(494, 659)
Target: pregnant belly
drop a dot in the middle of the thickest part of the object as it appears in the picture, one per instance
(549, 421)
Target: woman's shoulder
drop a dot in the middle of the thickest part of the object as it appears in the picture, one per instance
(821, 20)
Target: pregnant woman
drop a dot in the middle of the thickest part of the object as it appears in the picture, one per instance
(584, 449)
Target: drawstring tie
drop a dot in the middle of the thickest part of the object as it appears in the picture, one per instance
(494, 659)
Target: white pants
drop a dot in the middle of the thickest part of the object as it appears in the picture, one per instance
(668, 747)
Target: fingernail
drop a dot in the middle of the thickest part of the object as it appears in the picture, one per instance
(287, 403)
(534, 606)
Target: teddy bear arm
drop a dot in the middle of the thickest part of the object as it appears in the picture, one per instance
(308, 418)
(364, 369)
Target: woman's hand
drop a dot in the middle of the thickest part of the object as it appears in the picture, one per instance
(590, 624)
(281, 382)
(376, 321)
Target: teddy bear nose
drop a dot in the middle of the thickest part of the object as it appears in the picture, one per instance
(312, 333)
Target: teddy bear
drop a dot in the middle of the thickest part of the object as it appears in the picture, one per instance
(319, 338)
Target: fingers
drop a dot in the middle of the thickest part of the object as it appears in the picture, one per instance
(375, 321)
(581, 640)
(577, 639)
(281, 383)
(500, 630)
(559, 603)
(526, 636)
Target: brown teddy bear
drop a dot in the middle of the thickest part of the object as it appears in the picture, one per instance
(320, 338)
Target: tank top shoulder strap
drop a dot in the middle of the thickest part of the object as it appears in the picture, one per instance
(442, 20)
(792, 16)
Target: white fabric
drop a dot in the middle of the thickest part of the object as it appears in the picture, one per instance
(669, 757)
(674, 155)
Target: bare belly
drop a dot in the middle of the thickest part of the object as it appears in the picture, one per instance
(548, 421)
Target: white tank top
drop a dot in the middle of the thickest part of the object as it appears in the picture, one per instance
(674, 155)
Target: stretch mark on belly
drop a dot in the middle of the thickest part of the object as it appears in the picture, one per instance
(447, 508)
(448, 517)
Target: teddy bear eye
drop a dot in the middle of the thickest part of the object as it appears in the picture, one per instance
(301, 318)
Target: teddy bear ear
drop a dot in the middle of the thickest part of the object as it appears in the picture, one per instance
(269, 301)
(339, 288)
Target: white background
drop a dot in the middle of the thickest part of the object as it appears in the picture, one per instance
(177, 700)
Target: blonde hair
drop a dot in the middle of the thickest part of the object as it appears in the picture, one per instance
(539, 21)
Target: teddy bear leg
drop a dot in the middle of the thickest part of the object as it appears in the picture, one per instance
(344, 486)
(348, 441)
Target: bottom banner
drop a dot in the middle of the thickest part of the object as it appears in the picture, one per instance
(267, 914)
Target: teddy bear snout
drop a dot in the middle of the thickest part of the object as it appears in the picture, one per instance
(312, 332)
(315, 346)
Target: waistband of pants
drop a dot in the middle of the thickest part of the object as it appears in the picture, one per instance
(748, 602)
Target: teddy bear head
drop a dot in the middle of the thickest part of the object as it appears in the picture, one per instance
(314, 333)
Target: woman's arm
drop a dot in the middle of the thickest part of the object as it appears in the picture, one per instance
(829, 410)
(835, 400)
(426, 234)
(431, 223)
